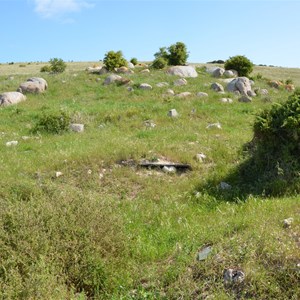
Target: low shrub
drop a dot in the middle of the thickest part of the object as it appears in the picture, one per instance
(114, 60)
(55, 123)
(239, 63)
(46, 68)
(134, 61)
(159, 63)
(57, 65)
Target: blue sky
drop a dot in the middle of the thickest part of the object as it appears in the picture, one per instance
(265, 31)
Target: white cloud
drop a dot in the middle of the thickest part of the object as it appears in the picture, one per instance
(56, 8)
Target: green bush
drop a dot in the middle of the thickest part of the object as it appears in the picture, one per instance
(174, 55)
(239, 63)
(46, 68)
(159, 63)
(178, 54)
(55, 123)
(57, 65)
(114, 60)
(134, 61)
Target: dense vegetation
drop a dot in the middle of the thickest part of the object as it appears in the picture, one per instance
(239, 63)
(80, 220)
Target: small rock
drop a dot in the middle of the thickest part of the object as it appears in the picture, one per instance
(233, 276)
(225, 186)
(200, 157)
(77, 127)
(149, 124)
(226, 100)
(25, 137)
(162, 84)
(229, 74)
(217, 87)
(245, 99)
(264, 92)
(202, 94)
(11, 143)
(218, 72)
(180, 82)
(130, 89)
(145, 86)
(169, 169)
(173, 113)
(287, 223)
(170, 92)
(214, 125)
(203, 253)
(183, 95)
(145, 71)
(58, 174)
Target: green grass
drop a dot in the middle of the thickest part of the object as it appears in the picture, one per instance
(107, 231)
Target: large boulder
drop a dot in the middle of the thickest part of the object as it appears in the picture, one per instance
(33, 85)
(218, 72)
(11, 98)
(182, 71)
(242, 85)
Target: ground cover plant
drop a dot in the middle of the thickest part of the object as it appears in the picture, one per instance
(79, 219)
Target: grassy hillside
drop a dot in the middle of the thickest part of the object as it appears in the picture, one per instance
(106, 228)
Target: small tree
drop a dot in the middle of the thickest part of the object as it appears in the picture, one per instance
(178, 54)
(159, 63)
(174, 55)
(239, 63)
(57, 65)
(134, 61)
(114, 60)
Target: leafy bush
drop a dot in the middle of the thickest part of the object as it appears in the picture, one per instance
(159, 63)
(46, 68)
(241, 64)
(178, 54)
(174, 55)
(55, 123)
(57, 65)
(134, 61)
(114, 60)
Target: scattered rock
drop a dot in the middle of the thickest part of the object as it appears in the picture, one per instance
(33, 85)
(217, 87)
(173, 113)
(94, 70)
(289, 87)
(77, 127)
(130, 65)
(111, 78)
(162, 84)
(123, 70)
(145, 71)
(230, 73)
(145, 86)
(241, 84)
(202, 94)
(214, 125)
(130, 89)
(225, 186)
(245, 99)
(170, 92)
(149, 124)
(263, 91)
(182, 71)
(218, 72)
(11, 98)
(180, 82)
(226, 100)
(183, 95)
(167, 169)
(287, 223)
(11, 143)
(200, 157)
(203, 253)
(58, 174)
(233, 276)
(10, 78)
(275, 84)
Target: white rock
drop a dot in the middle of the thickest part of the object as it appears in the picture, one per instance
(233, 276)
(214, 125)
(288, 222)
(182, 71)
(226, 100)
(145, 86)
(183, 95)
(145, 71)
(162, 84)
(11, 143)
(77, 127)
(202, 94)
(200, 157)
(169, 169)
(111, 78)
(217, 87)
(149, 124)
(180, 82)
(58, 174)
(173, 113)
(218, 72)
(11, 98)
